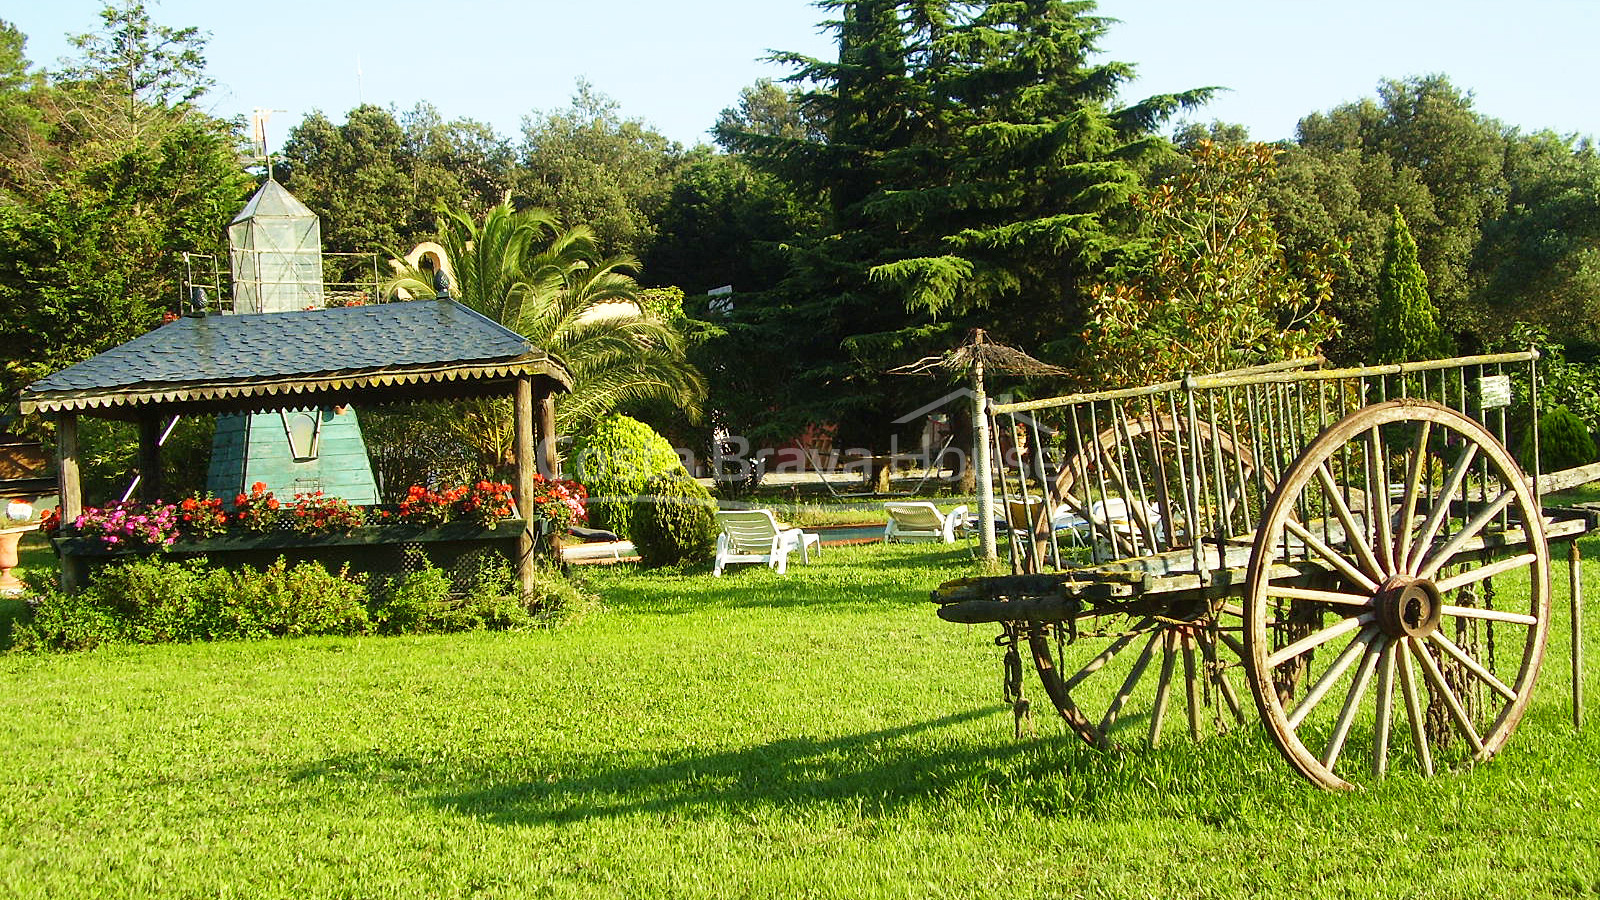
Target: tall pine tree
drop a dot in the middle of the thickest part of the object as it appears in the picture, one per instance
(977, 172)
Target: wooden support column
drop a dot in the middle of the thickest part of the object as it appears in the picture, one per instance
(1575, 582)
(526, 469)
(70, 492)
(149, 458)
(549, 462)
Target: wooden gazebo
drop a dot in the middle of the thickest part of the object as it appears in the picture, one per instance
(360, 356)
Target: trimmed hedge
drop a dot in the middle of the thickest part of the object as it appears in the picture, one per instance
(1564, 442)
(613, 461)
(674, 521)
(157, 600)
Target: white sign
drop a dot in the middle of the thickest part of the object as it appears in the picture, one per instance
(1494, 391)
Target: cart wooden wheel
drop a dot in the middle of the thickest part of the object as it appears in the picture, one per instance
(1151, 672)
(1403, 548)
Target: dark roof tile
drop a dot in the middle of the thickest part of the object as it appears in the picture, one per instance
(293, 344)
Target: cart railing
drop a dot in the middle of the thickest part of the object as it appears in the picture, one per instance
(1173, 466)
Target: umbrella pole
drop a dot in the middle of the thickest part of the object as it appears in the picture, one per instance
(980, 419)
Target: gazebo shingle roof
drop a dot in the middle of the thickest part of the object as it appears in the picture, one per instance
(236, 362)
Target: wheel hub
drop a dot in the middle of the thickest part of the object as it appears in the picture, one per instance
(1408, 606)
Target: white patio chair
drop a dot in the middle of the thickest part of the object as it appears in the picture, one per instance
(921, 521)
(1127, 518)
(754, 536)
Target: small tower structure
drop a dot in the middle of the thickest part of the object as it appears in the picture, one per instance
(275, 245)
(275, 248)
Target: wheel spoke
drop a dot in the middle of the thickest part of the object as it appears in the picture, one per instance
(1355, 533)
(1385, 712)
(1193, 686)
(1169, 657)
(1352, 701)
(1419, 731)
(1408, 506)
(1473, 576)
(1430, 670)
(1105, 656)
(1126, 690)
(1233, 643)
(1492, 615)
(1441, 507)
(1208, 653)
(1317, 639)
(1329, 677)
(1294, 593)
(1378, 500)
(1477, 668)
(1441, 556)
(1338, 561)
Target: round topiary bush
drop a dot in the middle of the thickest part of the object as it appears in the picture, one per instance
(613, 460)
(1564, 441)
(674, 521)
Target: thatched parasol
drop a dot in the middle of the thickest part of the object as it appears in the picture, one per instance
(978, 355)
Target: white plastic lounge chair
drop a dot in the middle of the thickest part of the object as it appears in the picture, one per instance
(1072, 530)
(1124, 518)
(754, 536)
(922, 521)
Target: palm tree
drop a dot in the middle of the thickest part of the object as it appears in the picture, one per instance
(552, 286)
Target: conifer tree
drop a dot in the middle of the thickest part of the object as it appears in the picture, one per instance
(1405, 323)
(976, 169)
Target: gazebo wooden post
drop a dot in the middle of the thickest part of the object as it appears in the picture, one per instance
(526, 468)
(149, 457)
(70, 492)
(549, 463)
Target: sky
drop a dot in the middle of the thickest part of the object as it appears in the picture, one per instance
(677, 63)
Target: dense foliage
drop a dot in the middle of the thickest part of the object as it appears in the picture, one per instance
(1207, 287)
(674, 521)
(155, 600)
(613, 460)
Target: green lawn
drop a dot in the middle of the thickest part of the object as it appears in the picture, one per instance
(817, 735)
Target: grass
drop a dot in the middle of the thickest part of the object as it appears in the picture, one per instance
(821, 734)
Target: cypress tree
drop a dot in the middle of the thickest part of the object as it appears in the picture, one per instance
(1405, 323)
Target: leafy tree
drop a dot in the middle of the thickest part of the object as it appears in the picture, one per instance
(116, 175)
(588, 164)
(1540, 259)
(378, 180)
(1209, 289)
(355, 176)
(1421, 147)
(1405, 326)
(460, 164)
(770, 110)
(21, 121)
(134, 72)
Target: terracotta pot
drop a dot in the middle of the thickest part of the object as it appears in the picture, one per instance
(9, 584)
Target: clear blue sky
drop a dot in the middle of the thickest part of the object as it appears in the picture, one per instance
(677, 63)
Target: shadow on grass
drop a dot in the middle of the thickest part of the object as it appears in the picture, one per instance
(872, 774)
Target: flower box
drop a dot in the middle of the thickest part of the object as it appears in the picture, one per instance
(379, 549)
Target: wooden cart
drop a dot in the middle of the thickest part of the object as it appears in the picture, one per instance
(1356, 548)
